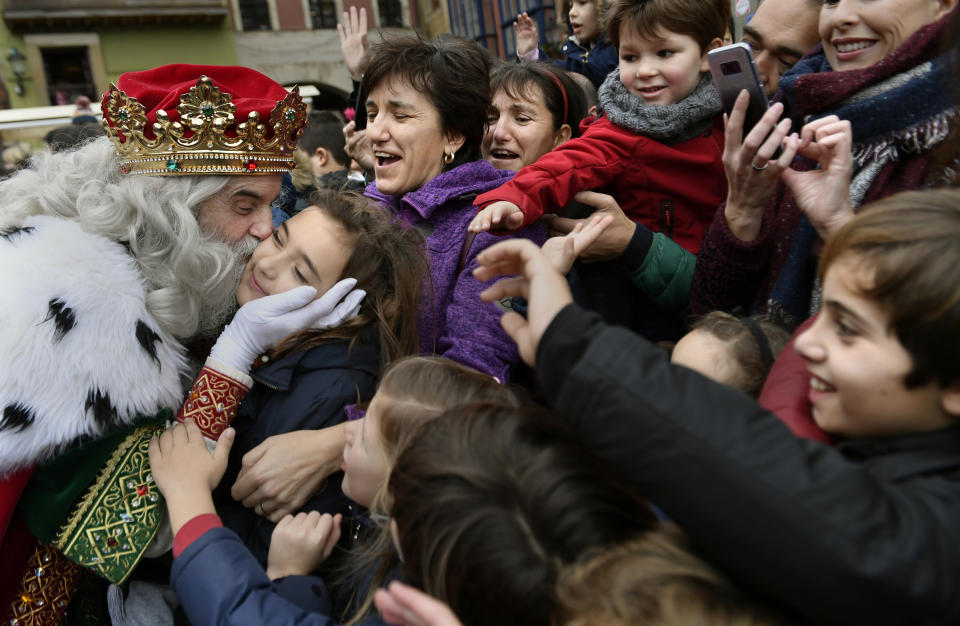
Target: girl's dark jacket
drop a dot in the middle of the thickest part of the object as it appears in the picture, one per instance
(305, 390)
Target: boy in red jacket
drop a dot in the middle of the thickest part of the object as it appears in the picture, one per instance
(657, 146)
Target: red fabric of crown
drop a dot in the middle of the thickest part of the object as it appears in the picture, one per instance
(161, 88)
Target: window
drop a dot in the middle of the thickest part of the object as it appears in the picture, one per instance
(323, 14)
(254, 14)
(68, 74)
(391, 13)
(466, 20)
(474, 19)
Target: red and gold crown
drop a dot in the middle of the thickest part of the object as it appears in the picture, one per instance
(181, 120)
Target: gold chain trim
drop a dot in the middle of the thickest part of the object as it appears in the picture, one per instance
(120, 514)
(45, 590)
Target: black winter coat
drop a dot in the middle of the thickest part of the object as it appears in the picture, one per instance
(306, 390)
(865, 532)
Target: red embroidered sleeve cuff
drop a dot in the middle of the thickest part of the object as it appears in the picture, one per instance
(193, 530)
(213, 401)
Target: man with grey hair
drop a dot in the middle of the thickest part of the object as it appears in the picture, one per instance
(114, 257)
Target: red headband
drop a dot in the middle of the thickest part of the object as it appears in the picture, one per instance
(563, 91)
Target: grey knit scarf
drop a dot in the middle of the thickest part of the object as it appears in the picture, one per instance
(670, 124)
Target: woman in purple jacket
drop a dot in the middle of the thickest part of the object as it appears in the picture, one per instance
(426, 115)
(427, 109)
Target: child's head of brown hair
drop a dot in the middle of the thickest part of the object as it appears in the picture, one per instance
(909, 246)
(653, 580)
(416, 390)
(388, 262)
(490, 502)
(703, 20)
(413, 392)
(752, 344)
(563, 8)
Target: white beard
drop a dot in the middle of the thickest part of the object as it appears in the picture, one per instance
(218, 311)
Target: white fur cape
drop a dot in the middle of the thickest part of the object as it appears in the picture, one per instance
(79, 353)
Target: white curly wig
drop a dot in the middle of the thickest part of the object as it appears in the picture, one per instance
(184, 268)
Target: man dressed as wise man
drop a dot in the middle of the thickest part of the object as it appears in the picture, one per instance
(115, 258)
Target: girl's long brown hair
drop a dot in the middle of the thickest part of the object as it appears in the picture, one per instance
(491, 502)
(388, 263)
(418, 390)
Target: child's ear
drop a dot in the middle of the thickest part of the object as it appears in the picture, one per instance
(323, 155)
(561, 135)
(716, 43)
(950, 400)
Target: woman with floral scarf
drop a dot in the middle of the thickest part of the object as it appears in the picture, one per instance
(875, 99)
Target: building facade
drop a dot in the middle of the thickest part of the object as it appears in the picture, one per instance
(490, 22)
(56, 50)
(295, 42)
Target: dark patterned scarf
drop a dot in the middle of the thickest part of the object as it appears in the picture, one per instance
(900, 105)
(900, 108)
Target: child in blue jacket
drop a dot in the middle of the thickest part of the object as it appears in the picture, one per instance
(304, 377)
(413, 390)
(585, 52)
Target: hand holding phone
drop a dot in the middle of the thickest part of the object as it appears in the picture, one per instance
(753, 167)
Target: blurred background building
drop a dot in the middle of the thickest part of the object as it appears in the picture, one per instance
(53, 51)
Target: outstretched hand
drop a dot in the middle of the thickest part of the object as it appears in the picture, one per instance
(535, 279)
(354, 44)
(301, 543)
(612, 240)
(403, 605)
(185, 471)
(499, 215)
(526, 33)
(823, 194)
(563, 251)
(262, 323)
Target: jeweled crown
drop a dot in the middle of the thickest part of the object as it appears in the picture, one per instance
(207, 140)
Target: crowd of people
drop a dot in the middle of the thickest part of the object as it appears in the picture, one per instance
(527, 341)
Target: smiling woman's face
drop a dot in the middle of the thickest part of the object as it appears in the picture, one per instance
(519, 130)
(308, 249)
(858, 33)
(406, 136)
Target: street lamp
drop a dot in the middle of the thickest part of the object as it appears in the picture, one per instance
(18, 63)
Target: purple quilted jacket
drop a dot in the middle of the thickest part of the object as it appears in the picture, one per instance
(454, 322)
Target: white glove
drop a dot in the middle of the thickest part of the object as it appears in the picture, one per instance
(262, 323)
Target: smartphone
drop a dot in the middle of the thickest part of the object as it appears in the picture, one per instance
(733, 71)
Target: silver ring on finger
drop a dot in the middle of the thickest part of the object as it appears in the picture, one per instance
(260, 510)
(760, 169)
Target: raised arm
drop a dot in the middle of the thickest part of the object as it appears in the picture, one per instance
(546, 186)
